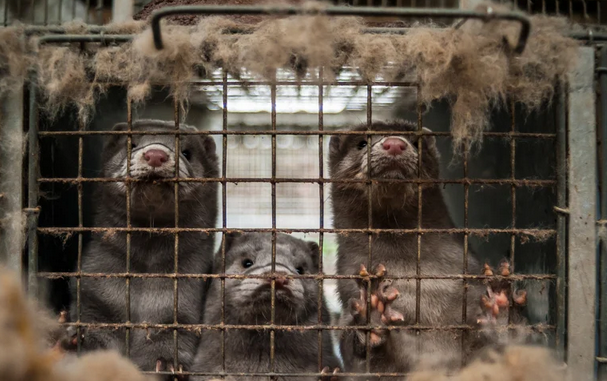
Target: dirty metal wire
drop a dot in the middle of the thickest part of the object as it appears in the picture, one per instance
(275, 375)
(602, 73)
(92, 29)
(464, 181)
(176, 237)
(466, 253)
(418, 284)
(540, 233)
(158, 15)
(273, 270)
(33, 211)
(105, 38)
(505, 135)
(512, 191)
(561, 220)
(272, 327)
(57, 275)
(369, 226)
(129, 150)
(321, 205)
(81, 126)
(224, 213)
(589, 36)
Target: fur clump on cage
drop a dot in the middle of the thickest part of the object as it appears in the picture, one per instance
(13, 67)
(507, 363)
(27, 351)
(472, 66)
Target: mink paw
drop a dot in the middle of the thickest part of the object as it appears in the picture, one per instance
(381, 310)
(163, 365)
(67, 338)
(500, 295)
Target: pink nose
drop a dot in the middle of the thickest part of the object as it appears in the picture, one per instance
(280, 282)
(394, 146)
(155, 157)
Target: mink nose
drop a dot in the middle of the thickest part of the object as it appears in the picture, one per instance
(280, 281)
(394, 146)
(155, 157)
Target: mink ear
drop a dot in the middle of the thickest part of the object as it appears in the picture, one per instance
(209, 144)
(430, 140)
(122, 126)
(334, 144)
(111, 141)
(314, 252)
(230, 238)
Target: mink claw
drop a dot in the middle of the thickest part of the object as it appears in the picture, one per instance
(160, 365)
(380, 271)
(392, 316)
(363, 271)
(68, 341)
(163, 365)
(504, 268)
(328, 374)
(487, 270)
(357, 308)
(62, 317)
(386, 292)
(519, 297)
(492, 302)
(501, 299)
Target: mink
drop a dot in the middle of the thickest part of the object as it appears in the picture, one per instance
(395, 158)
(248, 302)
(152, 205)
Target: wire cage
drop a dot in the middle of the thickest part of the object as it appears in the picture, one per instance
(529, 194)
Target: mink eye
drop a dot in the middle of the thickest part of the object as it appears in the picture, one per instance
(133, 145)
(246, 263)
(186, 154)
(300, 270)
(362, 144)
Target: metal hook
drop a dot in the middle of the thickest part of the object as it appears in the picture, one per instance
(339, 11)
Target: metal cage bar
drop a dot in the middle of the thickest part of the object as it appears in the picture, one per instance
(602, 350)
(582, 198)
(11, 180)
(158, 15)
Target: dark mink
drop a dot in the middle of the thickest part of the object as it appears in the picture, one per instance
(152, 204)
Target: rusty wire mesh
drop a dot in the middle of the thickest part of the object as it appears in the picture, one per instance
(321, 134)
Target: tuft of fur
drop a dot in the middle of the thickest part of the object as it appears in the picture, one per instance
(174, 65)
(23, 331)
(63, 77)
(27, 336)
(101, 366)
(13, 60)
(509, 363)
